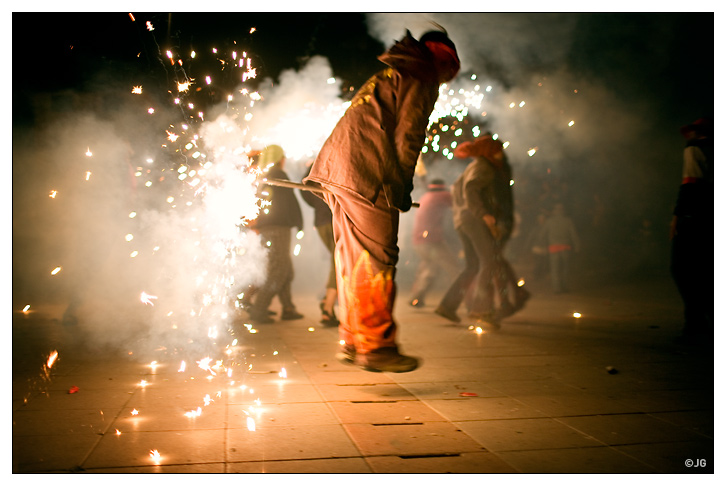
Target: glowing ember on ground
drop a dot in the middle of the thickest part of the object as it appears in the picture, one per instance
(52, 359)
(155, 456)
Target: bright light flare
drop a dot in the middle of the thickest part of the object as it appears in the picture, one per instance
(52, 358)
(155, 456)
(146, 298)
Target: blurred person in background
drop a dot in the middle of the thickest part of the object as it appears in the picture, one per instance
(692, 233)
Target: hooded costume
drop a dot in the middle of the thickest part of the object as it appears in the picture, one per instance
(367, 165)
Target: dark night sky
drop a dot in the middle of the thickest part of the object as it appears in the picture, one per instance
(663, 55)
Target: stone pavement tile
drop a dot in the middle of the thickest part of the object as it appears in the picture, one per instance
(174, 448)
(155, 419)
(33, 454)
(209, 468)
(540, 386)
(374, 391)
(589, 460)
(282, 392)
(629, 429)
(570, 404)
(668, 400)
(59, 422)
(281, 415)
(414, 439)
(426, 373)
(85, 398)
(349, 465)
(483, 408)
(525, 434)
(385, 412)
(428, 391)
(355, 376)
(464, 463)
(699, 421)
(672, 457)
(186, 396)
(287, 443)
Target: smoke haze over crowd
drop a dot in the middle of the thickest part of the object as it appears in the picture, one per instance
(625, 80)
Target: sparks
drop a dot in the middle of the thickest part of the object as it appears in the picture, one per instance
(143, 383)
(26, 309)
(250, 424)
(283, 373)
(136, 90)
(88, 152)
(182, 367)
(52, 359)
(155, 456)
(53, 194)
(576, 315)
(55, 271)
(134, 412)
(146, 298)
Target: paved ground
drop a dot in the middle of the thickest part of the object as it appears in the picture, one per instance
(609, 392)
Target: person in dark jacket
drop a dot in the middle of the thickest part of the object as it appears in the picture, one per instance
(692, 233)
(366, 167)
(278, 216)
(483, 218)
(324, 226)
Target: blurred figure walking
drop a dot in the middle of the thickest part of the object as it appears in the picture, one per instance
(324, 226)
(275, 224)
(429, 241)
(561, 239)
(692, 233)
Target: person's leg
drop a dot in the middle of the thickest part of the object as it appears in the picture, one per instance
(331, 291)
(273, 237)
(485, 247)
(425, 274)
(556, 271)
(366, 254)
(457, 291)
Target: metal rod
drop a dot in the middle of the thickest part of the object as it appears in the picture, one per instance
(305, 187)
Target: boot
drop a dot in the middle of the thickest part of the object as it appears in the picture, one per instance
(386, 360)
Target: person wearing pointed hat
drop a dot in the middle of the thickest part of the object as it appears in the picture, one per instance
(483, 219)
(692, 233)
(366, 167)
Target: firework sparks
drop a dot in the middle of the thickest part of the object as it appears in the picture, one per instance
(146, 298)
